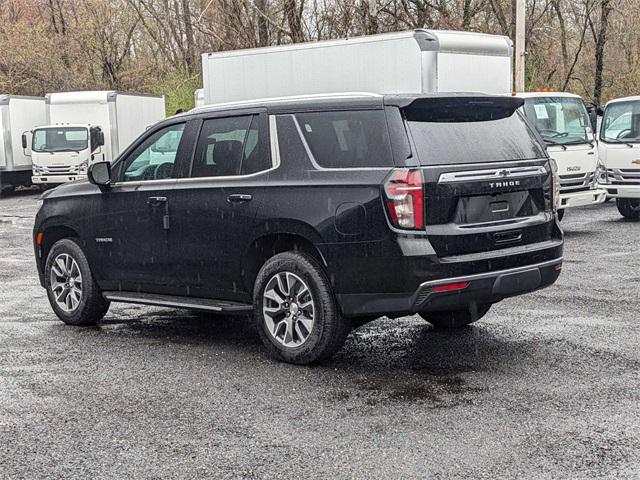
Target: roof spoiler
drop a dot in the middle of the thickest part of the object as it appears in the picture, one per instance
(456, 100)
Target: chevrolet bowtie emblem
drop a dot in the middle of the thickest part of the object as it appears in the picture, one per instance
(637, 162)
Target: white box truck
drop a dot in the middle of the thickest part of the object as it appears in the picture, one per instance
(564, 124)
(619, 151)
(78, 123)
(420, 61)
(17, 114)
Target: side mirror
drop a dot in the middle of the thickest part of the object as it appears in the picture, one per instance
(97, 138)
(99, 173)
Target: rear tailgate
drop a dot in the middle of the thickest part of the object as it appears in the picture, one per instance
(485, 209)
(487, 178)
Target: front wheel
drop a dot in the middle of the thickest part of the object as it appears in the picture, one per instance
(629, 208)
(295, 310)
(456, 318)
(73, 293)
(560, 215)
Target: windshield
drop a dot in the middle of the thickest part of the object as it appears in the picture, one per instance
(467, 132)
(559, 120)
(60, 139)
(621, 123)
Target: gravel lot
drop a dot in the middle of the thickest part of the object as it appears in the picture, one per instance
(546, 386)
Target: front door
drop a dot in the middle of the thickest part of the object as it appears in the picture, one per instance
(133, 217)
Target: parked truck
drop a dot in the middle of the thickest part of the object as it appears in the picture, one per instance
(564, 124)
(17, 113)
(84, 126)
(619, 152)
(420, 61)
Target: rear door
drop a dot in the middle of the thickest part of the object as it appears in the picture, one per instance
(214, 212)
(487, 179)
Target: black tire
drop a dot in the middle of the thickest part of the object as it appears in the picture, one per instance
(560, 215)
(330, 328)
(629, 208)
(456, 318)
(91, 306)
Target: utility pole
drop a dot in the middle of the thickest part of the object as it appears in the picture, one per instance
(520, 46)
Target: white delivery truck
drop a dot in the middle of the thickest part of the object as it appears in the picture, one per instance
(619, 151)
(198, 98)
(17, 114)
(420, 61)
(564, 124)
(82, 126)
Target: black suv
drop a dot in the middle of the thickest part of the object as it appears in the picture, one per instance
(313, 213)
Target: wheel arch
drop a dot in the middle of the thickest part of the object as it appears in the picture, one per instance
(300, 238)
(50, 235)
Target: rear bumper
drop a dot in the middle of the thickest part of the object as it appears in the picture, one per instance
(582, 199)
(56, 178)
(622, 191)
(482, 288)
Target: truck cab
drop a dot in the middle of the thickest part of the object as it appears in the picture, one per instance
(62, 153)
(619, 152)
(562, 121)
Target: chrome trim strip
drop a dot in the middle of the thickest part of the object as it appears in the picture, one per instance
(492, 174)
(496, 273)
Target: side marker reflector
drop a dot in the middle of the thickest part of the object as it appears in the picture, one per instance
(557, 267)
(39, 238)
(451, 287)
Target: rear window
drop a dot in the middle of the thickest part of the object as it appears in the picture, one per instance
(458, 132)
(347, 139)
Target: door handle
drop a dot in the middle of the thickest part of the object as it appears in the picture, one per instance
(156, 201)
(239, 198)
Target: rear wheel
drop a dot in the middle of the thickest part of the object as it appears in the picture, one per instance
(629, 208)
(456, 318)
(295, 310)
(73, 293)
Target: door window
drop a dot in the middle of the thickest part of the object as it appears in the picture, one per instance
(229, 146)
(154, 158)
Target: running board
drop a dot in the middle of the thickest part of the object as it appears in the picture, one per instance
(206, 304)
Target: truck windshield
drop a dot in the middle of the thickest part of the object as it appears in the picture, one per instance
(559, 120)
(60, 139)
(459, 132)
(621, 123)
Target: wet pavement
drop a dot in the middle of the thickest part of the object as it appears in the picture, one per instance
(547, 385)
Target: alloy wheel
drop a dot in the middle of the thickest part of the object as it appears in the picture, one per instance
(66, 282)
(288, 309)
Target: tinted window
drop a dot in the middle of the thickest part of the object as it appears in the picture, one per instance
(229, 146)
(348, 139)
(154, 158)
(469, 132)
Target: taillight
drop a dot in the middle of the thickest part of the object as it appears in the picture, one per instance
(405, 198)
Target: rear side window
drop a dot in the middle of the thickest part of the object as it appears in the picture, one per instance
(347, 139)
(229, 146)
(456, 132)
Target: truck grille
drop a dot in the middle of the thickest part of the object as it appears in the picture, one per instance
(624, 176)
(58, 170)
(577, 182)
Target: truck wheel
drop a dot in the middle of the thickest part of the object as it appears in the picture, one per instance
(73, 293)
(295, 310)
(455, 318)
(560, 215)
(628, 208)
